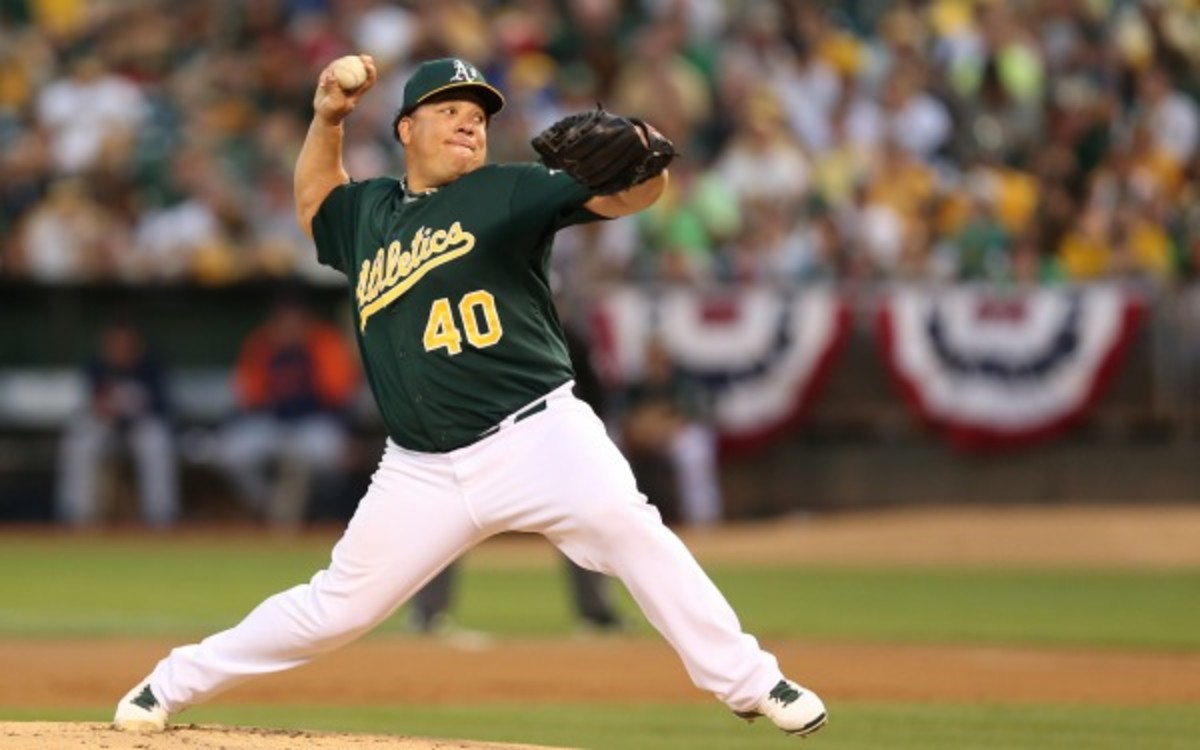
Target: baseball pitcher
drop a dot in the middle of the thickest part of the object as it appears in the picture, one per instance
(462, 347)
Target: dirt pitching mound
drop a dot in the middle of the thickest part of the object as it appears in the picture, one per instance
(79, 736)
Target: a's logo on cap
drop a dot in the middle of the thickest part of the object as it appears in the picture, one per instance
(464, 72)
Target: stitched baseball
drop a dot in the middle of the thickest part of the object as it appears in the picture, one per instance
(349, 72)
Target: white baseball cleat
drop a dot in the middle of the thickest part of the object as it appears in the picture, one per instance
(794, 709)
(139, 711)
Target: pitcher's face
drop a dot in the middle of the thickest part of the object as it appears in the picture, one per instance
(443, 140)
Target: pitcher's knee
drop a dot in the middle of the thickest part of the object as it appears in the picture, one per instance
(335, 627)
(358, 621)
(329, 619)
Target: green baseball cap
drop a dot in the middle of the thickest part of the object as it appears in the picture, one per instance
(449, 73)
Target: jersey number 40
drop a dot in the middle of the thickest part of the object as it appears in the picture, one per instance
(480, 323)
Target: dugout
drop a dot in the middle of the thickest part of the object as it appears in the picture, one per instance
(858, 445)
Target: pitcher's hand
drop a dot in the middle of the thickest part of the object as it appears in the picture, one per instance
(331, 102)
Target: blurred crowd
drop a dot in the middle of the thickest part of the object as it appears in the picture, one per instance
(1016, 141)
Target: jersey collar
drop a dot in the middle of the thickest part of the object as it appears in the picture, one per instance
(411, 196)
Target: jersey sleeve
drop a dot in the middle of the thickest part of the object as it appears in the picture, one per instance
(551, 195)
(333, 225)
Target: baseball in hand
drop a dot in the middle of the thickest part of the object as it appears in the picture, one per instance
(349, 72)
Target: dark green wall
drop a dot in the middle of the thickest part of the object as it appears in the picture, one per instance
(190, 326)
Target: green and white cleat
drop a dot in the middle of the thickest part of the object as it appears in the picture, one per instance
(794, 709)
(140, 711)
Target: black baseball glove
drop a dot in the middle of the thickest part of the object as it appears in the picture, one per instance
(604, 151)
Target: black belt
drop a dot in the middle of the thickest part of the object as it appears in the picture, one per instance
(528, 411)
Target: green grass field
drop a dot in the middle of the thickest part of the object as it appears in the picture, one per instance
(188, 587)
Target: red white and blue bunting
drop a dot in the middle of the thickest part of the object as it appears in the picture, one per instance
(994, 370)
(762, 353)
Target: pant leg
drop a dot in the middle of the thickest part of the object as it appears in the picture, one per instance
(287, 504)
(246, 447)
(411, 523)
(84, 444)
(693, 454)
(310, 451)
(678, 599)
(558, 474)
(158, 475)
(320, 441)
(432, 603)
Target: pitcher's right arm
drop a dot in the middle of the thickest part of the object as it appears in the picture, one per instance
(319, 167)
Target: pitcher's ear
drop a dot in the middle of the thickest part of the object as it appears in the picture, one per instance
(396, 120)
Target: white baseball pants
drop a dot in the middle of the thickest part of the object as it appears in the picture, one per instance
(555, 473)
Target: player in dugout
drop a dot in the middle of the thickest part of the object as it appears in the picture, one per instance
(465, 356)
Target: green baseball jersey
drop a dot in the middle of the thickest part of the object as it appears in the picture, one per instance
(454, 315)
